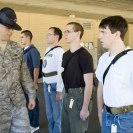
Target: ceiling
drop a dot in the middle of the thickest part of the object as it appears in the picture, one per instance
(95, 9)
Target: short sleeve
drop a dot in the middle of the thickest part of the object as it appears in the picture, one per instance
(35, 58)
(58, 59)
(63, 60)
(99, 71)
(86, 62)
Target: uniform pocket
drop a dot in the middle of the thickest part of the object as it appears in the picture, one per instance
(79, 102)
(126, 121)
(16, 94)
(16, 62)
(109, 119)
(53, 86)
(2, 94)
(65, 100)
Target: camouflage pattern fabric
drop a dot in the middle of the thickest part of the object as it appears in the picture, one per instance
(18, 126)
(14, 75)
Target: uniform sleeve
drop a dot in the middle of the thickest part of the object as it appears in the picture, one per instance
(35, 58)
(86, 63)
(26, 81)
(60, 69)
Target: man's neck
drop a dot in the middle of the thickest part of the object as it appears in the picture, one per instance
(75, 46)
(4, 40)
(28, 44)
(54, 45)
(118, 47)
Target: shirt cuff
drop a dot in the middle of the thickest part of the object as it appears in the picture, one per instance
(32, 95)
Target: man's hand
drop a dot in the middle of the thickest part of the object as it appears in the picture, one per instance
(58, 96)
(31, 104)
(84, 114)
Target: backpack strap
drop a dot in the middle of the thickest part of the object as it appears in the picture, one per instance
(117, 57)
(52, 49)
(65, 67)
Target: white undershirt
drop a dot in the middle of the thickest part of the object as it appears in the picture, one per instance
(118, 86)
(53, 62)
(26, 47)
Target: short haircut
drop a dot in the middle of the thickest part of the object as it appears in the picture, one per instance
(77, 27)
(27, 33)
(115, 23)
(57, 32)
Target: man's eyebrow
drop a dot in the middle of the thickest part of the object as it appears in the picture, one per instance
(102, 31)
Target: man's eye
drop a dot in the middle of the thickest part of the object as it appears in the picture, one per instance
(8, 28)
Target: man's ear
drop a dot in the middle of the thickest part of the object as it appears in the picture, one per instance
(79, 33)
(57, 37)
(118, 34)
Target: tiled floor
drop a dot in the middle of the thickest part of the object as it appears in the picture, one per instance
(93, 122)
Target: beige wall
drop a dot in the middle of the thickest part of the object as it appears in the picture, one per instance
(129, 36)
(39, 24)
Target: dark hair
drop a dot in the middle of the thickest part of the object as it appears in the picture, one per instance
(57, 32)
(27, 33)
(115, 23)
(77, 27)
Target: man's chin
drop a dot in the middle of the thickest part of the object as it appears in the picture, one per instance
(5, 39)
(67, 41)
(24, 44)
(49, 43)
(105, 47)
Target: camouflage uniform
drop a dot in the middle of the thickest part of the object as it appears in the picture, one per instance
(14, 76)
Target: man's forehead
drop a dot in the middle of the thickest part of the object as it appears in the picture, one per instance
(69, 26)
(104, 29)
(51, 30)
(23, 35)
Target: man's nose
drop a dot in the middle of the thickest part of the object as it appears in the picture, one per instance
(100, 36)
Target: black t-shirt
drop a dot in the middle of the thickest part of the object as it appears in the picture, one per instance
(80, 63)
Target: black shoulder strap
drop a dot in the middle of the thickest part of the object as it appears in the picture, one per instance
(65, 67)
(71, 58)
(52, 49)
(114, 61)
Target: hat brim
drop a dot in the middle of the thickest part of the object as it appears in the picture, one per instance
(15, 27)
